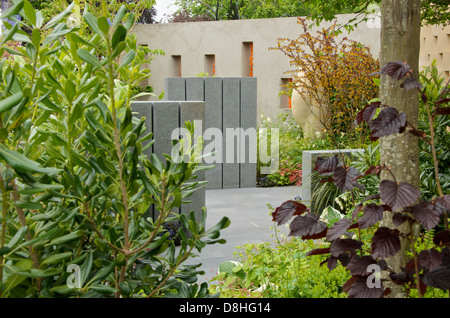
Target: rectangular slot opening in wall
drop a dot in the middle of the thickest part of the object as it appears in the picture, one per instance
(210, 65)
(176, 65)
(247, 59)
(285, 99)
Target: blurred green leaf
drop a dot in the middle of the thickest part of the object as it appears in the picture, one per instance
(21, 163)
(57, 18)
(119, 16)
(127, 59)
(88, 58)
(103, 25)
(66, 238)
(13, 10)
(29, 13)
(20, 234)
(92, 22)
(10, 101)
(56, 258)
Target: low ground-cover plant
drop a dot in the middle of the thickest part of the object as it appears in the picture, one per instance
(75, 183)
(366, 259)
(274, 271)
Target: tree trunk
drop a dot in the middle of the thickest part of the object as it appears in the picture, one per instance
(400, 41)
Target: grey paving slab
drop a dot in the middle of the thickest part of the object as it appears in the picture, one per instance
(250, 222)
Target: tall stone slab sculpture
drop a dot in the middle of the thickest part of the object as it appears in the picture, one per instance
(144, 109)
(195, 113)
(248, 118)
(162, 118)
(231, 110)
(195, 89)
(230, 128)
(175, 89)
(213, 120)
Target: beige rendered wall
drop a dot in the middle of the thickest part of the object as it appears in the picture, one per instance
(224, 40)
(435, 45)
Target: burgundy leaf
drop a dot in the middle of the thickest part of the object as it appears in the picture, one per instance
(426, 213)
(327, 164)
(359, 265)
(367, 113)
(338, 229)
(418, 133)
(388, 122)
(371, 197)
(444, 202)
(438, 278)
(410, 83)
(399, 218)
(398, 196)
(424, 97)
(344, 258)
(372, 214)
(332, 262)
(359, 288)
(348, 284)
(344, 178)
(340, 246)
(286, 210)
(429, 259)
(445, 252)
(318, 251)
(410, 267)
(443, 110)
(385, 242)
(307, 225)
(442, 101)
(396, 70)
(442, 238)
(373, 170)
(401, 278)
(356, 210)
(423, 287)
(315, 236)
(383, 264)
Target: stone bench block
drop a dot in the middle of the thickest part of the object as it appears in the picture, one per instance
(309, 159)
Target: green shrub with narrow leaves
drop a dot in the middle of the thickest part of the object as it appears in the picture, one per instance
(75, 184)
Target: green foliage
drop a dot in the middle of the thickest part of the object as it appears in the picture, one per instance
(75, 183)
(292, 143)
(52, 8)
(230, 10)
(290, 139)
(280, 271)
(434, 84)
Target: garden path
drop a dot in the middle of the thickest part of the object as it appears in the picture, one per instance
(250, 221)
